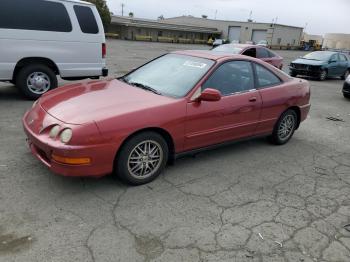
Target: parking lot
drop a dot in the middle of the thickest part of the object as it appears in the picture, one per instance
(250, 201)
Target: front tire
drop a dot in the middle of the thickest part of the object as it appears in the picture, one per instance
(35, 80)
(142, 158)
(323, 75)
(284, 128)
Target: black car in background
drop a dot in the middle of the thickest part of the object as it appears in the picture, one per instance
(346, 88)
(321, 64)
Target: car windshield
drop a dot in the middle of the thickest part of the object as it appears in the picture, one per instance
(228, 48)
(171, 75)
(319, 55)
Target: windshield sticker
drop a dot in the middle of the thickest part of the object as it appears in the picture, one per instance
(195, 64)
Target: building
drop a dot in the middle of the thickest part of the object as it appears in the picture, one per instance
(277, 35)
(336, 41)
(189, 29)
(318, 39)
(130, 28)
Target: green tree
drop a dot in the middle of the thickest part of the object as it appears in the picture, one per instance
(104, 12)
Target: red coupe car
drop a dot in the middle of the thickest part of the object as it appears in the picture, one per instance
(256, 51)
(175, 104)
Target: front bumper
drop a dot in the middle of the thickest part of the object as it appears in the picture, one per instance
(305, 72)
(346, 88)
(42, 147)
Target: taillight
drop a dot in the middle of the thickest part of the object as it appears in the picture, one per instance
(104, 50)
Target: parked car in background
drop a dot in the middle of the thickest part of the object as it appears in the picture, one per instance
(41, 39)
(181, 102)
(346, 88)
(218, 42)
(321, 64)
(263, 43)
(255, 51)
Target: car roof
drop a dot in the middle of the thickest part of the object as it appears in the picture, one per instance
(328, 52)
(76, 2)
(243, 46)
(207, 54)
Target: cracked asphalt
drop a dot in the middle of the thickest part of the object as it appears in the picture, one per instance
(250, 201)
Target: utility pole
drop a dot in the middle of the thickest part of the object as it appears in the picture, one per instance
(123, 9)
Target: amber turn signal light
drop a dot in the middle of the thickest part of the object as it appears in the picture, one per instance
(72, 161)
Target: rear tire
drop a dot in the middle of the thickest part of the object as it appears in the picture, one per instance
(346, 96)
(284, 128)
(142, 158)
(35, 80)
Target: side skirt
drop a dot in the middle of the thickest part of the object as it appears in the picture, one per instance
(216, 146)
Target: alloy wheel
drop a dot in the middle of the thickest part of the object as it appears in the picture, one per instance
(145, 159)
(286, 127)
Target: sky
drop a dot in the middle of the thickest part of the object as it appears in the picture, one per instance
(317, 16)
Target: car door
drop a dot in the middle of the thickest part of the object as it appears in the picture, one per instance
(343, 64)
(235, 116)
(274, 97)
(333, 67)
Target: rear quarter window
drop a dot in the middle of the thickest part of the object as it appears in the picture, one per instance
(86, 19)
(37, 15)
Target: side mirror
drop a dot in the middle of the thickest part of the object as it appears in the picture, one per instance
(209, 95)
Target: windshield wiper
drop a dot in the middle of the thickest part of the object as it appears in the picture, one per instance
(145, 87)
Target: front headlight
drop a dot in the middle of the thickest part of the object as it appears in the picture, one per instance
(66, 135)
(348, 79)
(54, 131)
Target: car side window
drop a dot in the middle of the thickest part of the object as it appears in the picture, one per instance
(335, 58)
(265, 77)
(250, 52)
(232, 77)
(86, 19)
(37, 15)
(343, 58)
(262, 53)
(270, 53)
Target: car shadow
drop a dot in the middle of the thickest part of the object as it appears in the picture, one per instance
(9, 92)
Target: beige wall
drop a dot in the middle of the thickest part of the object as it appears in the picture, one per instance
(286, 33)
(317, 38)
(337, 41)
(288, 36)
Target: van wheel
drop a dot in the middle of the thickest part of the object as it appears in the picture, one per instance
(285, 127)
(35, 80)
(142, 158)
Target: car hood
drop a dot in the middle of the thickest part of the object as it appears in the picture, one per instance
(308, 62)
(94, 101)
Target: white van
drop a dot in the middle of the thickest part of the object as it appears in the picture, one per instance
(40, 39)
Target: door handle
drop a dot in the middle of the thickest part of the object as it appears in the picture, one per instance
(252, 99)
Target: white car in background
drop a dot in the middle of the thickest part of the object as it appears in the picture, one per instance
(263, 43)
(41, 39)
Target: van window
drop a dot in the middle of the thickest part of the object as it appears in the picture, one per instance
(34, 15)
(86, 18)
